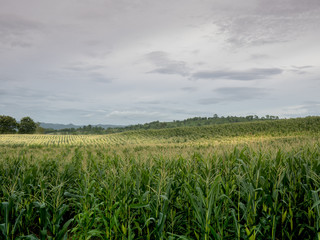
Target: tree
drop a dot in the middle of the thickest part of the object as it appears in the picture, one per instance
(249, 118)
(8, 124)
(27, 126)
(39, 129)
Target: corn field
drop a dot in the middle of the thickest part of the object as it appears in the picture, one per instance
(103, 187)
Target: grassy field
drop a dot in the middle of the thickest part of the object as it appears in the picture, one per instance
(234, 181)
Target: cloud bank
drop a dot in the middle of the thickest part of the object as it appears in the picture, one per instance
(127, 62)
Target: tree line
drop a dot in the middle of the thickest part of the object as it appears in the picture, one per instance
(9, 125)
(89, 129)
(190, 122)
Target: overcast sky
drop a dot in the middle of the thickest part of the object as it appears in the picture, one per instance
(136, 61)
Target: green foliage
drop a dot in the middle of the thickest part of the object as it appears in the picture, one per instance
(27, 126)
(196, 128)
(262, 128)
(7, 124)
(12, 218)
(184, 186)
(190, 122)
(39, 130)
(100, 193)
(73, 131)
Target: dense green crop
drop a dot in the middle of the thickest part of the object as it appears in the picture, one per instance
(209, 192)
(255, 181)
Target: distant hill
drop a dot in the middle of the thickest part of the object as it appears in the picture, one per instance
(58, 126)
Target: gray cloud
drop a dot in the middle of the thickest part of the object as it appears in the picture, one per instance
(151, 102)
(232, 94)
(91, 72)
(209, 101)
(80, 76)
(16, 31)
(259, 56)
(137, 115)
(287, 7)
(241, 93)
(84, 68)
(64, 114)
(269, 21)
(89, 58)
(246, 75)
(46, 105)
(24, 96)
(100, 78)
(189, 89)
(311, 108)
(300, 69)
(165, 65)
(308, 108)
(6, 79)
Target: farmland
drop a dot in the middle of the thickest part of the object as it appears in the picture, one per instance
(233, 181)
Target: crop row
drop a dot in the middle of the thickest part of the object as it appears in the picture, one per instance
(60, 140)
